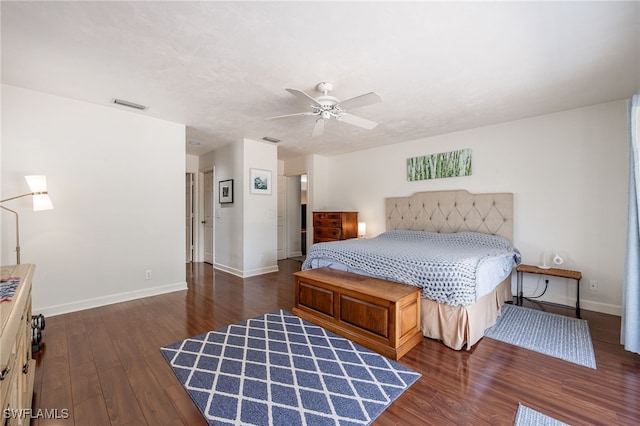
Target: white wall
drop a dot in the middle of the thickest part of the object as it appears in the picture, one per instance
(260, 234)
(245, 230)
(192, 163)
(568, 173)
(116, 179)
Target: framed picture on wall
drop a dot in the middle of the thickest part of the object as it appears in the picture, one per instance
(225, 191)
(260, 181)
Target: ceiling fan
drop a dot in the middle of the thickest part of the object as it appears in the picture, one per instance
(327, 106)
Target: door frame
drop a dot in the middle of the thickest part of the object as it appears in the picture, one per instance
(202, 225)
(198, 251)
(190, 204)
(309, 214)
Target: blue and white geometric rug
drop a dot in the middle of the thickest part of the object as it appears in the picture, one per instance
(526, 416)
(278, 369)
(555, 335)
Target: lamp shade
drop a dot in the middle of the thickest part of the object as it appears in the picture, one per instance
(42, 202)
(38, 186)
(37, 183)
(362, 229)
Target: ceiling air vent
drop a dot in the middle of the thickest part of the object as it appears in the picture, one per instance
(270, 139)
(129, 104)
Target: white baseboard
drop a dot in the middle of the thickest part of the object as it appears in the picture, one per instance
(260, 271)
(50, 311)
(588, 305)
(245, 274)
(604, 308)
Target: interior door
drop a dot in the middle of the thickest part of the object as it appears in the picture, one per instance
(294, 226)
(189, 216)
(208, 217)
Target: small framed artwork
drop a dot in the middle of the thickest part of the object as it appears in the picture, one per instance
(260, 181)
(225, 191)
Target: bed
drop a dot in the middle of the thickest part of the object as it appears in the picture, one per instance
(455, 245)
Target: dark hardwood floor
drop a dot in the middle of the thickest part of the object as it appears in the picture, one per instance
(105, 367)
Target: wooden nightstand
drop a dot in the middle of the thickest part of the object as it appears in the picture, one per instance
(552, 272)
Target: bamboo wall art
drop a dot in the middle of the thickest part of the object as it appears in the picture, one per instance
(442, 165)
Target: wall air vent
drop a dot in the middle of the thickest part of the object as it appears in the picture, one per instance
(270, 139)
(129, 104)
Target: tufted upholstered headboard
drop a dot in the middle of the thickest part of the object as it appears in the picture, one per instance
(452, 211)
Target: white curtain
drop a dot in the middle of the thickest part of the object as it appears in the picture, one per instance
(630, 332)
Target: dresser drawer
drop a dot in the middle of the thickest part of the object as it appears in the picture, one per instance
(327, 223)
(324, 233)
(9, 369)
(327, 215)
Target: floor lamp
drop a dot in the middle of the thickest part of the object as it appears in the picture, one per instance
(41, 201)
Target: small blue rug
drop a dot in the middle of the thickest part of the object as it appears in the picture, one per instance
(278, 369)
(8, 288)
(555, 335)
(526, 416)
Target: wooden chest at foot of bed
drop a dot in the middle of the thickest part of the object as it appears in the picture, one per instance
(380, 315)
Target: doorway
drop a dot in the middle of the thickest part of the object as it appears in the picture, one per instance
(208, 219)
(303, 213)
(189, 216)
(292, 241)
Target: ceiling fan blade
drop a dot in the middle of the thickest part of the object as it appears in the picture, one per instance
(318, 129)
(303, 96)
(289, 115)
(357, 121)
(360, 101)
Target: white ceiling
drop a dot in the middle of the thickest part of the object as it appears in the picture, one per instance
(221, 67)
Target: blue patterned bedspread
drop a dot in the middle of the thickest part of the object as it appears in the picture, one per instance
(445, 266)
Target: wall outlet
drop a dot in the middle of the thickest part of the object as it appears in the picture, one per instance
(147, 274)
(593, 285)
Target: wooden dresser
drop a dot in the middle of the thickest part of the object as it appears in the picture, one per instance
(17, 368)
(334, 226)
